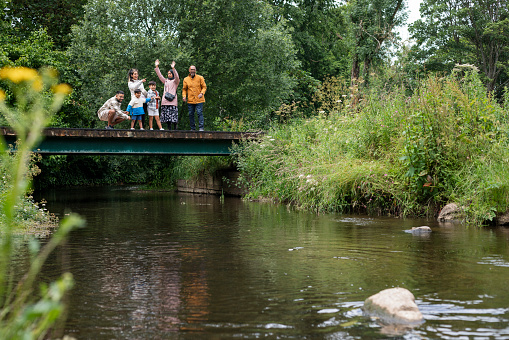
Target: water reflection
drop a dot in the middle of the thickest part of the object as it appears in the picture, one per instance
(162, 265)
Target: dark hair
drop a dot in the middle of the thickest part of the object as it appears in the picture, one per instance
(137, 91)
(130, 74)
(152, 82)
(172, 74)
(120, 92)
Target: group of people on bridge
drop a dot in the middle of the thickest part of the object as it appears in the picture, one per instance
(142, 101)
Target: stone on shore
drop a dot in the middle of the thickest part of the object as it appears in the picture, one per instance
(451, 212)
(503, 219)
(394, 306)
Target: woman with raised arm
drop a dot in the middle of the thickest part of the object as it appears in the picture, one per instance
(169, 104)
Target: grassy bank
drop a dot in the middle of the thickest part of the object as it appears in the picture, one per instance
(382, 151)
(29, 217)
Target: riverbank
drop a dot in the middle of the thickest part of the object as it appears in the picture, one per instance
(29, 217)
(390, 154)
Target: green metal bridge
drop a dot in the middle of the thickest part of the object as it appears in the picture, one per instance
(59, 141)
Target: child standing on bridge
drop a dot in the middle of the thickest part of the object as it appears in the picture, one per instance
(153, 105)
(135, 108)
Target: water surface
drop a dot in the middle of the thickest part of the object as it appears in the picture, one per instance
(159, 265)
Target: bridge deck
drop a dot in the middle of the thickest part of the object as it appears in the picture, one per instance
(134, 142)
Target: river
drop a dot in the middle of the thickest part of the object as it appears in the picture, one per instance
(163, 265)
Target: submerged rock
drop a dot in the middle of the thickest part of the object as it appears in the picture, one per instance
(394, 306)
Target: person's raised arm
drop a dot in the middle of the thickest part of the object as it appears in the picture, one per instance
(175, 73)
(158, 72)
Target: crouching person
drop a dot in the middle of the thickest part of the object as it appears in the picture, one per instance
(110, 111)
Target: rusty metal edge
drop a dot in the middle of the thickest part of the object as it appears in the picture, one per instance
(152, 134)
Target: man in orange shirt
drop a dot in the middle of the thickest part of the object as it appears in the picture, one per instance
(193, 92)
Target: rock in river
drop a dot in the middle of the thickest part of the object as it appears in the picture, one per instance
(420, 230)
(394, 306)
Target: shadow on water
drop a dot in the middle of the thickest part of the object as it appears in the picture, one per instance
(159, 265)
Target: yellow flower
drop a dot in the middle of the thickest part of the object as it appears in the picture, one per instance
(18, 74)
(37, 83)
(62, 89)
(53, 73)
(2, 95)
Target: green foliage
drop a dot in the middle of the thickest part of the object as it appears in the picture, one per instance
(37, 51)
(464, 31)
(372, 24)
(28, 216)
(319, 32)
(194, 167)
(70, 170)
(332, 96)
(245, 57)
(114, 37)
(55, 16)
(390, 153)
(23, 313)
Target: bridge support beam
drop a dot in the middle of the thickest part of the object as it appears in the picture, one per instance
(134, 142)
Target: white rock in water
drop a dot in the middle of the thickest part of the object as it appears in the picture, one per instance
(394, 305)
(422, 229)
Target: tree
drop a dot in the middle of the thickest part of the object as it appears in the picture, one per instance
(245, 56)
(373, 23)
(114, 37)
(319, 31)
(56, 16)
(464, 31)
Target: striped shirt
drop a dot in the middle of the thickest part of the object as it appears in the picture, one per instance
(153, 104)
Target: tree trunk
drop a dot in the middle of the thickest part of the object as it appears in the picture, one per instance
(355, 70)
(365, 72)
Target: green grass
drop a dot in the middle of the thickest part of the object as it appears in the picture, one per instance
(390, 153)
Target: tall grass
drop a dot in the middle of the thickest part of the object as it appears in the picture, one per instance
(383, 152)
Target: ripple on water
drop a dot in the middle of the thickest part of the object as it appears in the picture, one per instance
(258, 271)
(496, 261)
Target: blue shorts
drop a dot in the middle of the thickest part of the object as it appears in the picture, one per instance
(137, 117)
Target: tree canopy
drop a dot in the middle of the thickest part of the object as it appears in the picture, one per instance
(373, 23)
(464, 31)
(56, 16)
(255, 55)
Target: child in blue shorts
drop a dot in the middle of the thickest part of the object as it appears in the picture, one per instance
(135, 109)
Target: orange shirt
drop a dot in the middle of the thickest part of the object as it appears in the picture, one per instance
(192, 88)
